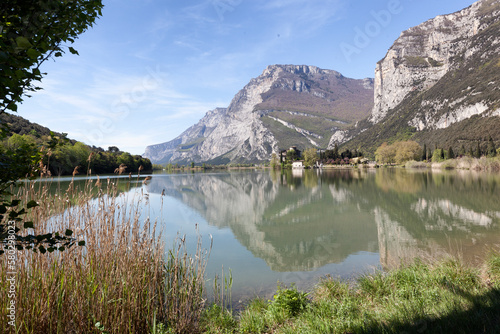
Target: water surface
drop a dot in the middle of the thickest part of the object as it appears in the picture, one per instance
(299, 226)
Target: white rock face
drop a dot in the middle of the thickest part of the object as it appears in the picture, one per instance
(339, 137)
(452, 117)
(237, 132)
(421, 56)
(164, 152)
(241, 130)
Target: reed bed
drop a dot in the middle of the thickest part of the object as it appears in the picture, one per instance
(122, 281)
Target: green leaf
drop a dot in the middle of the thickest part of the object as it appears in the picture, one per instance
(19, 74)
(23, 42)
(28, 225)
(58, 54)
(81, 243)
(62, 249)
(68, 233)
(33, 54)
(3, 209)
(12, 106)
(42, 249)
(31, 204)
(73, 51)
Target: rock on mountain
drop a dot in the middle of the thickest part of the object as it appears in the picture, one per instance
(439, 83)
(285, 106)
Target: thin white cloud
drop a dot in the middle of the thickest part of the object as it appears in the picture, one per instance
(305, 16)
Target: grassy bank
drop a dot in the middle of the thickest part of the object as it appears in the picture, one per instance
(447, 297)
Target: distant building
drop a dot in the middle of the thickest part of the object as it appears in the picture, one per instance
(298, 164)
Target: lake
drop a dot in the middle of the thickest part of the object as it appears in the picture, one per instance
(298, 226)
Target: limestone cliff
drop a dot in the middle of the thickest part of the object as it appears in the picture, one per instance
(287, 105)
(438, 84)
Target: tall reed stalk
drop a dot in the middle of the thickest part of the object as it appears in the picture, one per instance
(123, 279)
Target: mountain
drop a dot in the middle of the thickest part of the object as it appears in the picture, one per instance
(287, 105)
(438, 84)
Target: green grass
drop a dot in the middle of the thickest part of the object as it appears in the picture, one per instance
(447, 297)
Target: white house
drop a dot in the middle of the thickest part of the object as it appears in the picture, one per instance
(298, 164)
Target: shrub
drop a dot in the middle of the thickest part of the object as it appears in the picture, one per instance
(288, 302)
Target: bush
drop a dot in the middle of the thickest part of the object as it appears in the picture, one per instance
(288, 302)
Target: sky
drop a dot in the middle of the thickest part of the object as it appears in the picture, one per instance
(149, 69)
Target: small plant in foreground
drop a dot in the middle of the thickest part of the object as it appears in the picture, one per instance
(218, 320)
(288, 302)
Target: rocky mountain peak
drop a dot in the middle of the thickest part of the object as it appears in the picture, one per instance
(299, 70)
(267, 114)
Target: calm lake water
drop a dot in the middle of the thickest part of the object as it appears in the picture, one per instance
(298, 226)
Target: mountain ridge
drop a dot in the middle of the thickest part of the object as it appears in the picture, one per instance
(287, 105)
(438, 84)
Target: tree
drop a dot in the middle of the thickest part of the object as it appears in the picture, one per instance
(407, 151)
(438, 155)
(310, 157)
(462, 150)
(492, 151)
(478, 151)
(346, 154)
(128, 160)
(399, 152)
(113, 149)
(274, 161)
(451, 154)
(385, 154)
(471, 153)
(335, 152)
(292, 155)
(31, 32)
(34, 31)
(16, 141)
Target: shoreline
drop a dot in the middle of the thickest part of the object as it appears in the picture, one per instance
(432, 297)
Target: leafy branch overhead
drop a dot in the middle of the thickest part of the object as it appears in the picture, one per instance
(47, 242)
(32, 31)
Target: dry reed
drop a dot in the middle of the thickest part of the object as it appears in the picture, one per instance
(122, 279)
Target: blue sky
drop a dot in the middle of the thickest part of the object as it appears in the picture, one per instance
(149, 69)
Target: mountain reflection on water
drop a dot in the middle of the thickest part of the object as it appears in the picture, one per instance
(301, 221)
